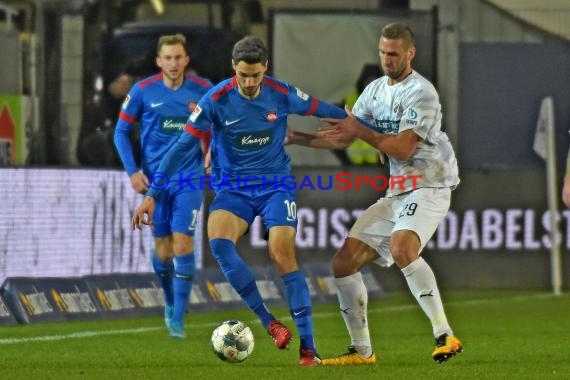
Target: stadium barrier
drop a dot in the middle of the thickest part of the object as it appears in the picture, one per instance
(51, 299)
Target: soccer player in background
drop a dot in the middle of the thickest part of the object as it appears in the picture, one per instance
(162, 103)
(398, 114)
(247, 117)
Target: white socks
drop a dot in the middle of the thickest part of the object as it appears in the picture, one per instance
(353, 301)
(423, 286)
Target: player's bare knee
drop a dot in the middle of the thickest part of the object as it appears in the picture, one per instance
(182, 245)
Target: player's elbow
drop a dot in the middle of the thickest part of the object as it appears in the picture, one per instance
(404, 154)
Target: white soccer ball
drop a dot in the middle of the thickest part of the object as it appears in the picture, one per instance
(232, 341)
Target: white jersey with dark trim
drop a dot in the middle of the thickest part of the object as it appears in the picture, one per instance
(411, 104)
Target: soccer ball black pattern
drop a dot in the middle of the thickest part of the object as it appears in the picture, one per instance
(232, 341)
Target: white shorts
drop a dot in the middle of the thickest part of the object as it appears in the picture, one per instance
(420, 211)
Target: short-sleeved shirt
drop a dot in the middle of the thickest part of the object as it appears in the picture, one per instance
(411, 104)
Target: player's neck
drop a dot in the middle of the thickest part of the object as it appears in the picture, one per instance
(250, 97)
(173, 84)
(401, 78)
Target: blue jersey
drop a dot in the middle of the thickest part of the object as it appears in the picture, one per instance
(162, 113)
(248, 134)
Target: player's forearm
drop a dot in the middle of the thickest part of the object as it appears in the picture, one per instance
(393, 145)
(329, 110)
(314, 141)
(124, 148)
(170, 163)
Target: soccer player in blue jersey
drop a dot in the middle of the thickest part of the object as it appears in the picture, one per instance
(247, 118)
(162, 104)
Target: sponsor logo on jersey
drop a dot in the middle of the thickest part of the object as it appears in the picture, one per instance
(412, 117)
(389, 127)
(271, 116)
(197, 111)
(398, 108)
(192, 106)
(172, 124)
(301, 94)
(126, 102)
(255, 140)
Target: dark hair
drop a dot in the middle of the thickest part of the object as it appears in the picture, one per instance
(173, 39)
(368, 73)
(397, 31)
(251, 50)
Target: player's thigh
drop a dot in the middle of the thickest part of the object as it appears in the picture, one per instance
(277, 208)
(230, 216)
(161, 215)
(185, 210)
(421, 211)
(373, 228)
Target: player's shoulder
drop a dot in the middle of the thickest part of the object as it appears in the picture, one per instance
(221, 89)
(148, 81)
(196, 80)
(277, 85)
(418, 82)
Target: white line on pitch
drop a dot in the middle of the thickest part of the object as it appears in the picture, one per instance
(88, 334)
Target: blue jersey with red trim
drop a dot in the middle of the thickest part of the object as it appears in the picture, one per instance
(248, 134)
(162, 113)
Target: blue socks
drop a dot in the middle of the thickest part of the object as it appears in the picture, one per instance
(240, 277)
(299, 301)
(164, 271)
(184, 268)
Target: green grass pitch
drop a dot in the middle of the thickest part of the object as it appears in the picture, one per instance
(506, 335)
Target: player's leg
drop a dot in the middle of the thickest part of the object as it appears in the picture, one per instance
(162, 255)
(279, 213)
(182, 281)
(185, 208)
(367, 240)
(230, 217)
(163, 267)
(417, 217)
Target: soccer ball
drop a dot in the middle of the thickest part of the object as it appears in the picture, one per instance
(232, 341)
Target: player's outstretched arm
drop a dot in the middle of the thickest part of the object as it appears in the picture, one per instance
(313, 140)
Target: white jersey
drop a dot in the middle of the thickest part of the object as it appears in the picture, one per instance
(411, 104)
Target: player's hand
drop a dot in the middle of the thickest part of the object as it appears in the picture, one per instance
(566, 191)
(139, 182)
(341, 129)
(143, 214)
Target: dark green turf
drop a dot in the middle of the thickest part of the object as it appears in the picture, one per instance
(506, 336)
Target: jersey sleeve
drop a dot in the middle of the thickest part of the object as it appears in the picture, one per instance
(171, 160)
(304, 104)
(200, 120)
(130, 112)
(363, 111)
(420, 113)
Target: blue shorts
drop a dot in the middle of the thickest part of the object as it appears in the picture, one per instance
(176, 210)
(276, 207)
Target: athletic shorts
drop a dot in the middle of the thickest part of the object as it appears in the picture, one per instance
(176, 210)
(420, 211)
(276, 207)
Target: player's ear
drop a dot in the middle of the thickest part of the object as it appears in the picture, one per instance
(412, 52)
(234, 64)
(158, 62)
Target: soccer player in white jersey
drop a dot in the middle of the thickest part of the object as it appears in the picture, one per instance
(400, 115)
